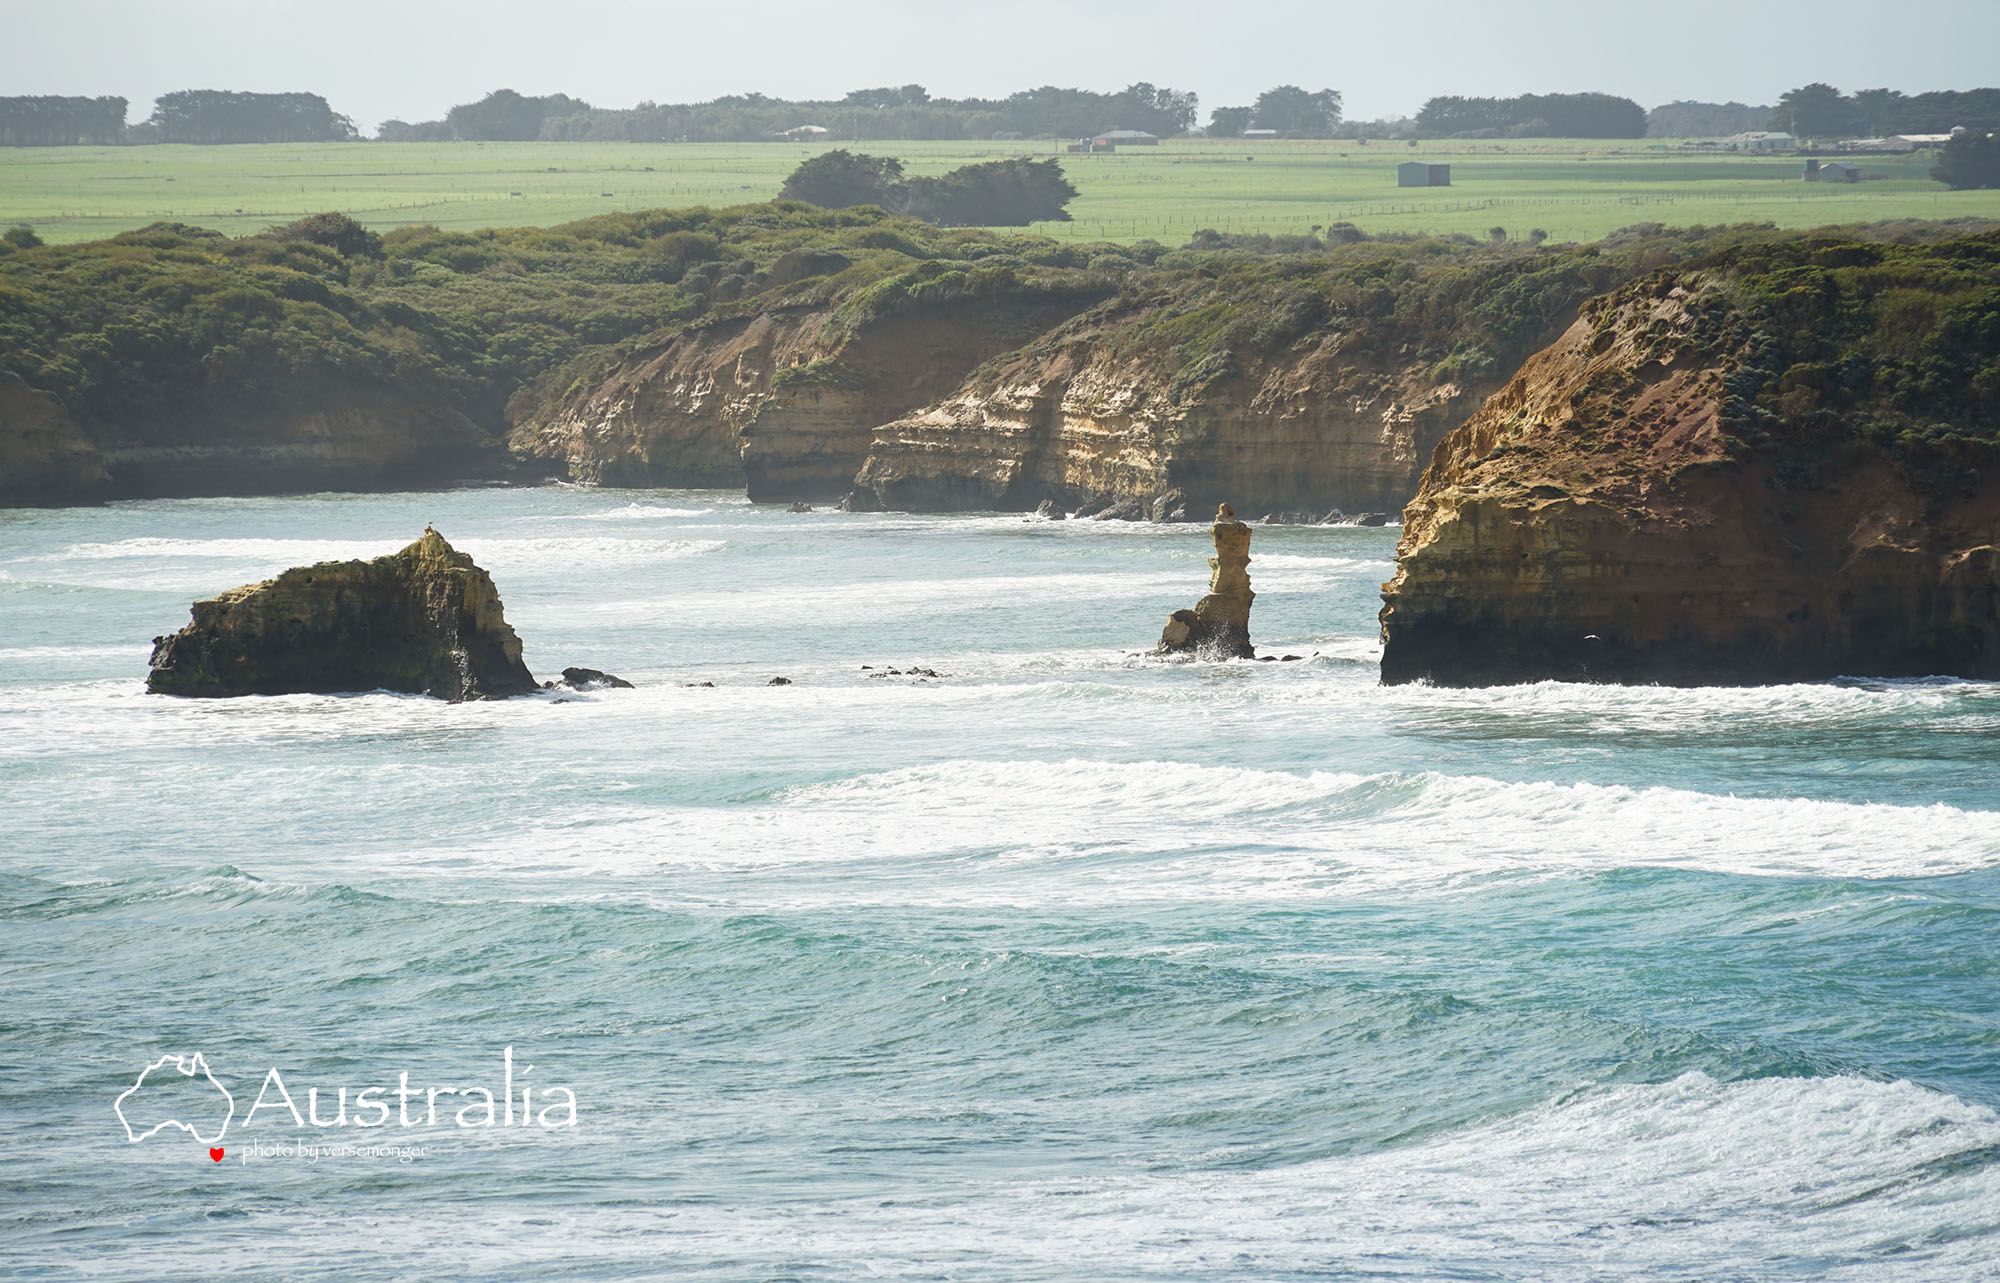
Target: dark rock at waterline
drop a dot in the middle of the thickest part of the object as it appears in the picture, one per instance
(1050, 509)
(779, 681)
(585, 678)
(425, 621)
(800, 506)
(1125, 510)
(1372, 519)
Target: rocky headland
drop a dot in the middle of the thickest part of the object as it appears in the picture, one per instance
(1778, 466)
(424, 621)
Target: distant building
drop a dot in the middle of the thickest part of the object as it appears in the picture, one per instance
(1761, 140)
(804, 132)
(1090, 146)
(1917, 142)
(1128, 138)
(1260, 133)
(1833, 171)
(1422, 173)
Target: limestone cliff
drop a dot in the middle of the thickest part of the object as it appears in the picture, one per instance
(1725, 476)
(783, 403)
(319, 436)
(44, 459)
(1087, 412)
(425, 620)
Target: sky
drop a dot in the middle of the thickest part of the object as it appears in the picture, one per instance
(375, 60)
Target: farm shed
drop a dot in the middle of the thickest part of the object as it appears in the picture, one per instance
(1422, 173)
(1128, 138)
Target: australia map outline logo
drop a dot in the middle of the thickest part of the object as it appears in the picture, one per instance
(188, 1067)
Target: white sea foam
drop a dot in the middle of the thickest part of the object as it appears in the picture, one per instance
(1835, 1178)
(1086, 832)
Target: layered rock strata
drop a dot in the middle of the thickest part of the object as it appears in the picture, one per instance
(1608, 517)
(1219, 625)
(782, 404)
(425, 620)
(1082, 415)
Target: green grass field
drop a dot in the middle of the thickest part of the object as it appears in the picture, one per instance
(1572, 190)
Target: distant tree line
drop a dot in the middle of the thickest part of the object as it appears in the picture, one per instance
(1820, 111)
(1533, 116)
(1705, 119)
(890, 112)
(223, 116)
(998, 193)
(1288, 109)
(47, 121)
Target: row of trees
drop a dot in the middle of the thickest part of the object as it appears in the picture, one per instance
(1288, 109)
(188, 116)
(998, 193)
(905, 111)
(1688, 119)
(1533, 116)
(49, 121)
(1822, 112)
(224, 116)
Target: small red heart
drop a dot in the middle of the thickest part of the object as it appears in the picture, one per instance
(216, 1153)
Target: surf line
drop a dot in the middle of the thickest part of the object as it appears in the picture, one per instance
(557, 1103)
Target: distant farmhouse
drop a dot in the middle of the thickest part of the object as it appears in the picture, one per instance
(1900, 142)
(1833, 171)
(804, 133)
(1112, 139)
(1260, 133)
(1761, 140)
(1421, 173)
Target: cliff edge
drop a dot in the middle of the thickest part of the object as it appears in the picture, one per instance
(1777, 466)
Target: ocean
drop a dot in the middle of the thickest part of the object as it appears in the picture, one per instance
(1066, 963)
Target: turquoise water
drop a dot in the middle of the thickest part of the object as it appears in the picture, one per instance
(1068, 964)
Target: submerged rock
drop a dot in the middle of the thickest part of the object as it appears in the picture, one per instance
(1219, 625)
(585, 678)
(425, 621)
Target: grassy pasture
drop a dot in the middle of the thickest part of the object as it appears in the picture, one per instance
(1573, 190)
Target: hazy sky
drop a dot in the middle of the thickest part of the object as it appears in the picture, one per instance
(377, 59)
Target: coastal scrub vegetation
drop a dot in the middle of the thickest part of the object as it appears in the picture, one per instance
(174, 333)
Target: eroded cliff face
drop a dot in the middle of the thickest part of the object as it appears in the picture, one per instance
(44, 459)
(325, 437)
(783, 404)
(1081, 414)
(1605, 518)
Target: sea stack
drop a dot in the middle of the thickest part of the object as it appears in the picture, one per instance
(1219, 624)
(425, 621)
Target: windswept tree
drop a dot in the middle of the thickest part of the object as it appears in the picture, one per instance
(1968, 161)
(1814, 111)
(1229, 122)
(840, 178)
(1291, 110)
(998, 193)
(222, 116)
